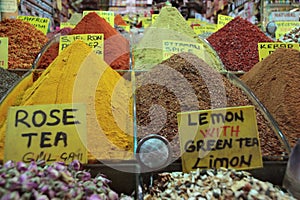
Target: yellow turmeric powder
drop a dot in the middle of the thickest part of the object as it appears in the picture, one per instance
(78, 75)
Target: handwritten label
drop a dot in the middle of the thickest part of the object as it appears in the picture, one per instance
(125, 27)
(95, 41)
(4, 52)
(66, 25)
(171, 47)
(109, 16)
(285, 27)
(8, 6)
(217, 138)
(267, 48)
(154, 16)
(205, 29)
(46, 132)
(223, 20)
(40, 23)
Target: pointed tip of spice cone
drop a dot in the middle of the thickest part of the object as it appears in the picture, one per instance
(93, 23)
(118, 20)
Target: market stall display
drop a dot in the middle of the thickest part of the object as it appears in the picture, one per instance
(275, 81)
(105, 93)
(213, 184)
(169, 25)
(182, 83)
(236, 44)
(116, 52)
(25, 42)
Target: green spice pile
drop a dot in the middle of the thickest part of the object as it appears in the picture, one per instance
(186, 83)
(169, 25)
(236, 44)
(37, 180)
(25, 42)
(7, 81)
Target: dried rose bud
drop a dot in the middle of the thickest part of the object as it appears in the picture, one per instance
(9, 164)
(21, 166)
(75, 165)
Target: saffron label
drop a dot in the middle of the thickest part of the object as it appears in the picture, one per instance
(46, 132)
(217, 138)
(4, 52)
(39, 23)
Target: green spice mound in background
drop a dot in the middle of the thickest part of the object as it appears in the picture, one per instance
(169, 25)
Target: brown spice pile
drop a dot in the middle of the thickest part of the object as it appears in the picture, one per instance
(119, 20)
(236, 44)
(276, 83)
(116, 47)
(185, 83)
(25, 42)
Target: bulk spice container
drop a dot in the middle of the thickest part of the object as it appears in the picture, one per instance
(116, 155)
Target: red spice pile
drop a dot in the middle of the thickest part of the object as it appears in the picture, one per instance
(119, 20)
(116, 47)
(236, 44)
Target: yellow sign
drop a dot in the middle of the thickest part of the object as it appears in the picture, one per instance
(285, 27)
(205, 29)
(267, 48)
(66, 25)
(154, 16)
(109, 16)
(146, 22)
(95, 41)
(46, 132)
(171, 47)
(40, 23)
(223, 20)
(4, 52)
(226, 137)
(191, 21)
(125, 27)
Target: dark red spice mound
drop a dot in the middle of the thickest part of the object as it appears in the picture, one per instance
(116, 47)
(236, 44)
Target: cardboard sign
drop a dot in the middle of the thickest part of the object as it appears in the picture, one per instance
(125, 27)
(223, 20)
(46, 132)
(40, 23)
(66, 25)
(226, 137)
(109, 16)
(205, 29)
(95, 41)
(8, 6)
(4, 52)
(285, 27)
(154, 16)
(267, 48)
(171, 47)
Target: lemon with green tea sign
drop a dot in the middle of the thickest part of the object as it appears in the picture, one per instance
(4, 52)
(225, 137)
(39, 23)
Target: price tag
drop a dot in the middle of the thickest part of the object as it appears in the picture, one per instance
(171, 47)
(95, 41)
(40, 23)
(46, 132)
(109, 16)
(9, 6)
(205, 29)
(267, 48)
(285, 27)
(223, 20)
(226, 137)
(66, 25)
(154, 16)
(125, 27)
(4, 52)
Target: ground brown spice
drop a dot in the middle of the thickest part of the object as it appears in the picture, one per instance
(276, 82)
(169, 84)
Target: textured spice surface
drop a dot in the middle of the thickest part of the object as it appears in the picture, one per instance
(24, 42)
(169, 25)
(213, 184)
(185, 83)
(7, 81)
(116, 47)
(276, 83)
(105, 93)
(118, 20)
(236, 44)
